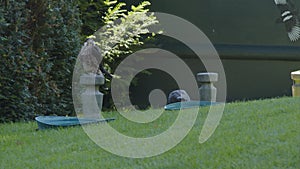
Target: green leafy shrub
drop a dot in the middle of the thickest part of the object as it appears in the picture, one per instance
(125, 31)
(39, 43)
(15, 97)
(57, 49)
(91, 12)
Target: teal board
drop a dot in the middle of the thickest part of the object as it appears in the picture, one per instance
(189, 104)
(45, 122)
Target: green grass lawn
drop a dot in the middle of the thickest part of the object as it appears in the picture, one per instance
(260, 134)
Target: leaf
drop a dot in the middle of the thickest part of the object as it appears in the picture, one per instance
(109, 3)
(3, 97)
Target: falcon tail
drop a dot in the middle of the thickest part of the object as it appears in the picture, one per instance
(277, 2)
(288, 16)
(294, 34)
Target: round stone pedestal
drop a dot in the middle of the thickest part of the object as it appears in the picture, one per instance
(296, 85)
(208, 92)
(91, 96)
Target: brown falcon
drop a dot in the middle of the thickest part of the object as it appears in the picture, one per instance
(90, 57)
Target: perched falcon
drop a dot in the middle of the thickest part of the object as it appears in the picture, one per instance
(289, 18)
(90, 57)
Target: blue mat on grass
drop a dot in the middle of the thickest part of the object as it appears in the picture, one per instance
(45, 122)
(189, 104)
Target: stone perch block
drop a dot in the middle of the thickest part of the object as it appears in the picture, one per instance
(91, 96)
(92, 79)
(207, 77)
(207, 91)
(296, 83)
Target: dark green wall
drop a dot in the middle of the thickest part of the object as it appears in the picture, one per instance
(246, 79)
(255, 51)
(231, 21)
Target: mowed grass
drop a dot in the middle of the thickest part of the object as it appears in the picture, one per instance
(259, 134)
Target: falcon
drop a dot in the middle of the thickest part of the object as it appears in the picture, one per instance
(90, 57)
(288, 16)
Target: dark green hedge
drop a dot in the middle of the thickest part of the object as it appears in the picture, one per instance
(39, 42)
(91, 12)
